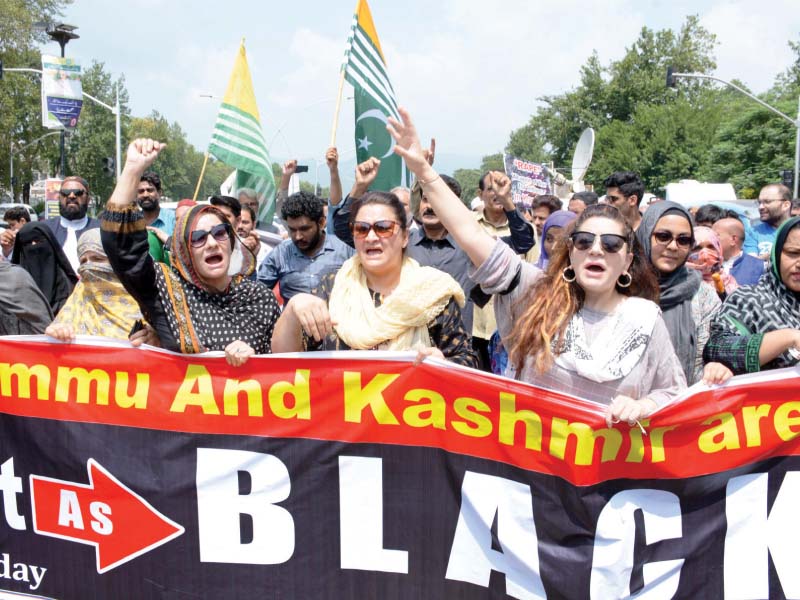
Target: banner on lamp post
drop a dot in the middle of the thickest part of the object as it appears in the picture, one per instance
(62, 95)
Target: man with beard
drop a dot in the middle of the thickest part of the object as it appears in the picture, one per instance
(72, 206)
(246, 231)
(148, 195)
(774, 207)
(299, 263)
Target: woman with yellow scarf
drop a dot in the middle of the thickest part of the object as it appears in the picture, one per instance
(99, 304)
(380, 299)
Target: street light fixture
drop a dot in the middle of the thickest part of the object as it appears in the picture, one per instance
(62, 33)
(671, 82)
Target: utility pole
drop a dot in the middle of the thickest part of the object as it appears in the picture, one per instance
(63, 33)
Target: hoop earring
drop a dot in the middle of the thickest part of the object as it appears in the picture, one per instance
(568, 274)
(627, 279)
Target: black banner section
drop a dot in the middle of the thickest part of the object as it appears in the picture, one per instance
(250, 517)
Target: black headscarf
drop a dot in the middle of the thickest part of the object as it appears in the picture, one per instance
(37, 251)
(777, 247)
(676, 288)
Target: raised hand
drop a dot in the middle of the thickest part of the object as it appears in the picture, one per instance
(366, 172)
(289, 167)
(407, 143)
(7, 240)
(500, 184)
(430, 152)
(142, 152)
(332, 158)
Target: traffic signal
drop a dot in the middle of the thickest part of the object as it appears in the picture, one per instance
(108, 165)
(788, 178)
(670, 78)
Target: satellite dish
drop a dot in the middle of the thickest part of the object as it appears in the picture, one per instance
(582, 157)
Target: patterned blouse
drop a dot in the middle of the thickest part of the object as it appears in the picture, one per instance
(446, 331)
(187, 318)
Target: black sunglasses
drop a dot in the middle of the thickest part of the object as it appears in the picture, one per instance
(383, 229)
(664, 238)
(78, 193)
(609, 242)
(220, 232)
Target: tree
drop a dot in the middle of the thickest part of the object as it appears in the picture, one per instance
(625, 103)
(468, 180)
(751, 149)
(20, 110)
(94, 138)
(179, 164)
(528, 142)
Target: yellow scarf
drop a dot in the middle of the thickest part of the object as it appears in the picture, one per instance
(401, 321)
(99, 304)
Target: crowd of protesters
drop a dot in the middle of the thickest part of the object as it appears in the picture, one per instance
(602, 298)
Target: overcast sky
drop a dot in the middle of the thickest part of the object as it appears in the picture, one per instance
(469, 71)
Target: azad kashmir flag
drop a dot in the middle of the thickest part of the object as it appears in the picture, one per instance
(365, 69)
(238, 141)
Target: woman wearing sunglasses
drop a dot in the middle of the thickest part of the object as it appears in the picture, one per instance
(380, 299)
(667, 236)
(583, 326)
(201, 302)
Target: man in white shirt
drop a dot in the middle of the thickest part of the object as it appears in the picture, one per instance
(72, 205)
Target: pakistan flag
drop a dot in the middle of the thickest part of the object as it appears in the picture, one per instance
(365, 69)
(372, 139)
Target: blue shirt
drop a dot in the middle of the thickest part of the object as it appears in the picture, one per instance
(165, 221)
(298, 273)
(759, 239)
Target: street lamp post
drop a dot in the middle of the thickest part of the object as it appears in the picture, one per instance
(63, 33)
(671, 77)
(115, 110)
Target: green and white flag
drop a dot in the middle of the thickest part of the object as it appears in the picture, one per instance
(365, 69)
(238, 141)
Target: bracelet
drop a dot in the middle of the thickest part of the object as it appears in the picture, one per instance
(428, 182)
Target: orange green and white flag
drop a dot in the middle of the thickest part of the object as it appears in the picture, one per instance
(238, 140)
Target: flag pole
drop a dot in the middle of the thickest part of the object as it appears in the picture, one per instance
(200, 179)
(336, 110)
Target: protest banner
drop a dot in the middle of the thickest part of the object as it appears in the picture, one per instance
(528, 180)
(62, 95)
(52, 197)
(132, 473)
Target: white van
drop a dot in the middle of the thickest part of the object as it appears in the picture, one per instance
(691, 193)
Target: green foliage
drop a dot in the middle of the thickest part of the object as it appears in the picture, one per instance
(752, 148)
(492, 162)
(179, 164)
(18, 30)
(468, 180)
(95, 137)
(20, 109)
(640, 125)
(528, 142)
